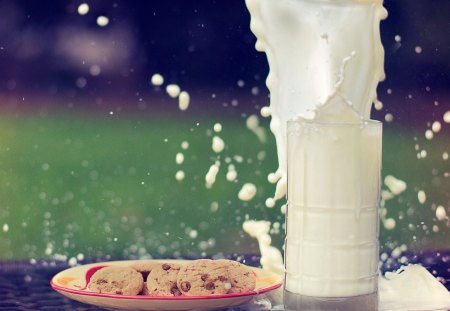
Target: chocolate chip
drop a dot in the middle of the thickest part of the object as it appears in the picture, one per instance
(166, 267)
(204, 277)
(175, 291)
(118, 292)
(185, 286)
(210, 286)
(222, 278)
(101, 281)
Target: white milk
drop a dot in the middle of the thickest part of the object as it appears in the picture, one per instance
(326, 59)
(332, 215)
(305, 42)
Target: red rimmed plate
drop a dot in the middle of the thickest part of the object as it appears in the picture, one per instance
(72, 283)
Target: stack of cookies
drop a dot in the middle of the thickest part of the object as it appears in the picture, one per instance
(196, 278)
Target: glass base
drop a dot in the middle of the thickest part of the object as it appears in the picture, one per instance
(306, 303)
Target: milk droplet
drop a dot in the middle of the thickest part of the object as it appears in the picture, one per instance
(436, 126)
(273, 178)
(389, 117)
(227, 285)
(445, 156)
(418, 49)
(378, 105)
(247, 192)
(102, 21)
(441, 213)
(95, 70)
(252, 122)
(265, 112)
(210, 177)
(157, 79)
(397, 38)
(183, 101)
(83, 9)
(179, 158)
(429, 134)
(446, 117)
(173, 90)
(396, 186)
(179, 175)
(217, 127)
(193, 234)
(217, 144)
(231, 175)
(5, 227)
(270, 202)
(389, 224)
(184, 145)
(421, 196)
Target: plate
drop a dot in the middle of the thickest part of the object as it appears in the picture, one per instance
(73, 281)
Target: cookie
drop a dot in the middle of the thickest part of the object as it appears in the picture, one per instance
(203, 277)
(144, 267)
(162, 280)
(242, 278)
(116, 280)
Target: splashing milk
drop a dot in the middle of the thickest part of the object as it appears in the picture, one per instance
(310, 47)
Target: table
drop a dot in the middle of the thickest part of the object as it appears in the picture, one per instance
(24, 286)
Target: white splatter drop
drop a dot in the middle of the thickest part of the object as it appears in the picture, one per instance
(217, 127)
(183, 101)
(378, 105)
(422, 197)
(247, 192)
(5, 227)
(157, 79)
(253, 125)
(217, 144)
(429, 134)
(83, 9)
(389, 117)
(179, 158)
(173, 90)
(446, 117)
(184, 145)
(271, 258)
(231, 174)
(210, 176)
(179, 175)
(270, 202)
(441, 214)
(445, 156)
(418, 49)
(102, 21)
(396, 186)
(436, 126)
(389, 223)
(265, 112)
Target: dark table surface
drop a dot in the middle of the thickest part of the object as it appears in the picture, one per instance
(26, 286)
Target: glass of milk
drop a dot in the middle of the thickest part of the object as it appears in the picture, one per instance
(332, 221)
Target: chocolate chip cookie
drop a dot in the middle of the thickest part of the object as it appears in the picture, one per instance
(116, 280)
(203, 277)
(162, 280)
(242, 278)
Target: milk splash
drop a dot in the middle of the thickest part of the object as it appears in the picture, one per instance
(305, 43)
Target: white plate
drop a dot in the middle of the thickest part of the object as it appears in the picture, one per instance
(72, 283)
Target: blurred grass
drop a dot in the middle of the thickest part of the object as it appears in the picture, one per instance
(105, 186)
